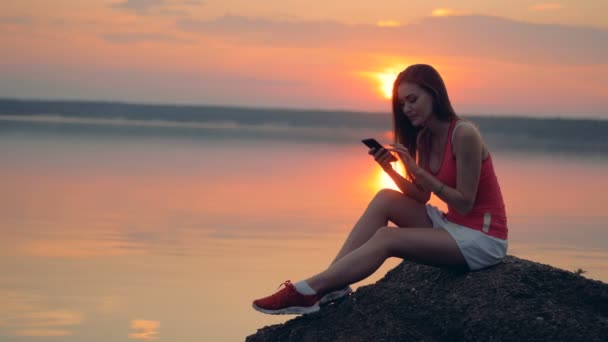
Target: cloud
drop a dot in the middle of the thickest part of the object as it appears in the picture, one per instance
(16, 20)
(546, 7)
(446, 12)
(192, 2)
(274, 32)
(469, 36)
(388, 23)
(142, 37)
(139, 5)
(163, 7)
(144, 329)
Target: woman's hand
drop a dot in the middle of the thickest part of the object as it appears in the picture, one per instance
(415, 172)
(383, 157)
(408, 161)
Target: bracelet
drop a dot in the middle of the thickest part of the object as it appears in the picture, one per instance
(438, 191)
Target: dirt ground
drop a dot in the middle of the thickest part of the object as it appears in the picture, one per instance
(517, 300)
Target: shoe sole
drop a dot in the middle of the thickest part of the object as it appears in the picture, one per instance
(292, 310)
(330, 297)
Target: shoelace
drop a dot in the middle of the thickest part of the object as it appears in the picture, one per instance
(280, 298)
(287, 283)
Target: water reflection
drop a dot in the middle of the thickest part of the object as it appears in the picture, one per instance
(26, 314)
(105, 240)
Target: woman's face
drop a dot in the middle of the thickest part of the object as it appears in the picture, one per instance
(417, 103)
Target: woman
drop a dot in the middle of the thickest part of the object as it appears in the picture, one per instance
(441, 154)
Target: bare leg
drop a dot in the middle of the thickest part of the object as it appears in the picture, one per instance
(427, 246)
(387, 205)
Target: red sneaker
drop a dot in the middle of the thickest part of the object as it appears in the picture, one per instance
(287, 301)
(332, 296)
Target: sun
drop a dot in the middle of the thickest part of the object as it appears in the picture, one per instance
(384, 79)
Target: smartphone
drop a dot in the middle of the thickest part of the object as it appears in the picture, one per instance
(373, 143)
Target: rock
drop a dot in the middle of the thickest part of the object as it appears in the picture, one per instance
(517, 300)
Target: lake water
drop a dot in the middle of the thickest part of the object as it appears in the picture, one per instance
(119, 237)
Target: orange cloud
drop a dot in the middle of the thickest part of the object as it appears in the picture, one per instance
(388, 23)
(144, 329)
(447, 33)
(447, 12)
(546, 7)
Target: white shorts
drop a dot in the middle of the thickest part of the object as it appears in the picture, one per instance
(479, 250)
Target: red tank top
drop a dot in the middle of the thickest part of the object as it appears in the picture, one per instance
(488, 214)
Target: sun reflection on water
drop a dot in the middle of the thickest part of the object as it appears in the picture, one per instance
(384, 181)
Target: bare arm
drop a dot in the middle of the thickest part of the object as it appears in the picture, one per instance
(408, 188)
(468, 149)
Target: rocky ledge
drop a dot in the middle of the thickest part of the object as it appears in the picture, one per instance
(517, 300)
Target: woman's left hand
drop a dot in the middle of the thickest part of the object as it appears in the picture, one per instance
(406, 158)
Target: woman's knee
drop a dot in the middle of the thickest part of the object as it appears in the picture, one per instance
(384, 197)
(386, 193)
(381, 240)
(400, 209)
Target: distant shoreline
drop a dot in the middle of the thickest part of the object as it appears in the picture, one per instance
(101, 119)
(8, 102)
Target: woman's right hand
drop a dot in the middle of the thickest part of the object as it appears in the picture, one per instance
(383, 157)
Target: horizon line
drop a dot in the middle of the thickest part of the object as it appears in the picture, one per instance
(292, 109)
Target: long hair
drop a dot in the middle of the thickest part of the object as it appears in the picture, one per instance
(428, 79)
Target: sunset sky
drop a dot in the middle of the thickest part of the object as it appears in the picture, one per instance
(519, 57)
